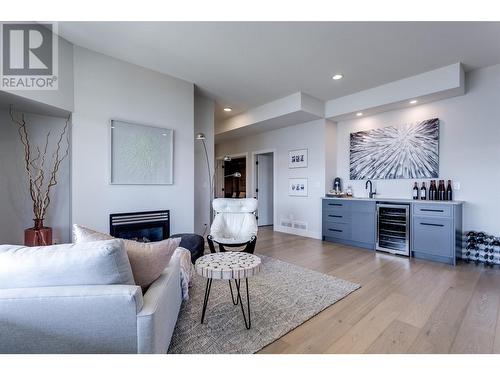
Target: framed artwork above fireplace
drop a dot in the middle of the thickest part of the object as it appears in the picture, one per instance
(141, 154)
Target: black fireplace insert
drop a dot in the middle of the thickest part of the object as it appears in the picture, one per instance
(148, 226)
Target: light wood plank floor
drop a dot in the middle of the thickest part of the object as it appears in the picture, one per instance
(403, 306)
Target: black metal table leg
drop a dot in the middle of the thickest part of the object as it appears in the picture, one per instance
(232, 295)
(248, 323)
(205, 301)
(238, 299)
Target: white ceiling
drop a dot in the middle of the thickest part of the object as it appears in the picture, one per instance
(245, 64)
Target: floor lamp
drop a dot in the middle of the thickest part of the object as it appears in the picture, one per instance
(201, 137)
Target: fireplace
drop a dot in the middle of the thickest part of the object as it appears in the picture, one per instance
(149, 226)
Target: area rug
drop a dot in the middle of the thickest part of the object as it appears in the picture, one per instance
(282, 297)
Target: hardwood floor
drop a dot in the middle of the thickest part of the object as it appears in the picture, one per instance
(403, 305)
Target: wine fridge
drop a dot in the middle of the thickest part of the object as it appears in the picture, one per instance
(393, 228)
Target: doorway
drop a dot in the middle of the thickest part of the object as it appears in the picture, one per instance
(264, 188)
(231, 177)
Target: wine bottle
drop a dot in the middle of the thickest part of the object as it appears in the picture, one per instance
(423, 192)
(441, 191)
(415, 191)
(432, 191)
(449, 192)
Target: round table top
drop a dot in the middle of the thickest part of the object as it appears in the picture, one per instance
(228, 265)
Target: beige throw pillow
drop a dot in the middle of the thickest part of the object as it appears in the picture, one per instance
(148, 260)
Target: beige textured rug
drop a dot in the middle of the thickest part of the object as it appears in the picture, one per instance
(282, 297)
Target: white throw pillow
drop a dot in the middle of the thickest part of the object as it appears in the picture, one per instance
(92, 263)
(148, 260)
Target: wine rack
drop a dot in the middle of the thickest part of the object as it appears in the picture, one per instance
(481, 248)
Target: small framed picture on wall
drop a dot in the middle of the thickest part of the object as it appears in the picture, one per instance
(297, 187)
(297, 158)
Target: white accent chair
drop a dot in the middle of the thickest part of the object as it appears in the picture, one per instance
(235, 224)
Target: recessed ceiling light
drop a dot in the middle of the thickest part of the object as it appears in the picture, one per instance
(359, 114)
(228, 109)
(414, 101)
(336, 77)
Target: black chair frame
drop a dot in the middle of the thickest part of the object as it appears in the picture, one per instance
(249, 245)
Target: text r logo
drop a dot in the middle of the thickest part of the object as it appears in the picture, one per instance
(29, 56)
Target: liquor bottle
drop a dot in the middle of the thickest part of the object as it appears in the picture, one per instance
(423, 192)
(441, 191)
(449, 192)
(415, 191)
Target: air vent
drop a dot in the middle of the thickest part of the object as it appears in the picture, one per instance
(302, 225)
(286, 223)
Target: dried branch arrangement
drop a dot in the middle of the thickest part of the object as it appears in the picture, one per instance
(40, 168)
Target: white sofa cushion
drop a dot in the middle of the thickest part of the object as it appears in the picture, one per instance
(92, 263)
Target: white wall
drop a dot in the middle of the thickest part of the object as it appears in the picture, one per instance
(204, 111)
(264, 180)
(16, 208)
(106, 88)
(330, 154)
(469, 147)
(311, 135)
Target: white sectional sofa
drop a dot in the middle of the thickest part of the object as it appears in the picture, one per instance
(111, 318)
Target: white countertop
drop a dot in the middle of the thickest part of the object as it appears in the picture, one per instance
(401, 200)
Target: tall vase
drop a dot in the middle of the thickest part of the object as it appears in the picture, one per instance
(38, 235)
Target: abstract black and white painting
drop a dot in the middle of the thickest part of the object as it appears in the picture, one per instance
(407, 151)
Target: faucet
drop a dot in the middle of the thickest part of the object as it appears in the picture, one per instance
(371, 193)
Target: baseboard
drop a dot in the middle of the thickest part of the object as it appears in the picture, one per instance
(298, 232)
